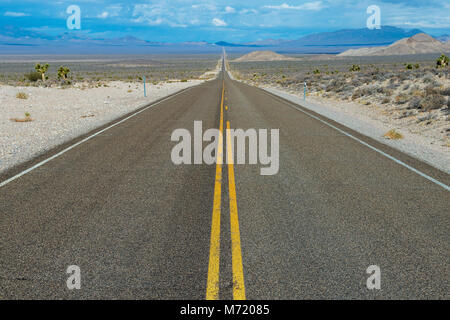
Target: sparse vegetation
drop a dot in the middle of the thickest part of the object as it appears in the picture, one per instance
(432, 102)
(26, 119)
(63, 72)
(156, 69)
(401, 98)
(442, 61)
(33, 76)
(393, 135)
(355, 68)
(378, 83)
(42, 69)
(21, 95)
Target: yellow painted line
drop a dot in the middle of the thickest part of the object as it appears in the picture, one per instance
(212, 287)
(236, 252)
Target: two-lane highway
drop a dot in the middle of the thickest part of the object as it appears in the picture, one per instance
(141, 227)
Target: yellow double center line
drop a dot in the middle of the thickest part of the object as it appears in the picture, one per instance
(212, 289)
(238, 270)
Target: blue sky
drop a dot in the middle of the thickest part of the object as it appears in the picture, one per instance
(213, 20)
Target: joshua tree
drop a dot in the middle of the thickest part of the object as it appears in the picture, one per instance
(442, 62)
(42, 69)
(63, 72)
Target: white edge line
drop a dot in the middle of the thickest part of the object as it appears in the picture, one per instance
(2, 184)
(365, 144)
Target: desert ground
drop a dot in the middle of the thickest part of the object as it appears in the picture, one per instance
(36, 116)
(406, 96)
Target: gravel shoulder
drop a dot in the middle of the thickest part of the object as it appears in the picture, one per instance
(418, 141)
(60, 115)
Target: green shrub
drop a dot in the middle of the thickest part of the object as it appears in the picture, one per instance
(357, 94)
(431, 90)
(401, 99)
(33, 76)
(409, 66)
(355, 68)
(414, 103)
(63, 72)
(432, 102)
(393, 135)
(21, 95)
(42, 69)
(442, 61)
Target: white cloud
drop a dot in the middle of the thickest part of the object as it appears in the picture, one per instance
(203, 6)
(423, 24)
(15, 14)
(313, 6)
(245, 11)
(150, 22)
(162, 14)
(219, 23)
(230, 9)
(103, 15)
(109, 12)
(114, 10)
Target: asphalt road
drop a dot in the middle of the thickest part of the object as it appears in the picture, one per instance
(141, 227)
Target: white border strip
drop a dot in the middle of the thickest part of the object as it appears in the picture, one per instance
(4, 183)
(363, 143)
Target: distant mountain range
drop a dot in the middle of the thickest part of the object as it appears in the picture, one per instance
(420, 43)
(349, 37)
(444, 38)
(15, 40)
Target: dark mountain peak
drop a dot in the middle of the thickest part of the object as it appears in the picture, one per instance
(364, 36)
(228, 44)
